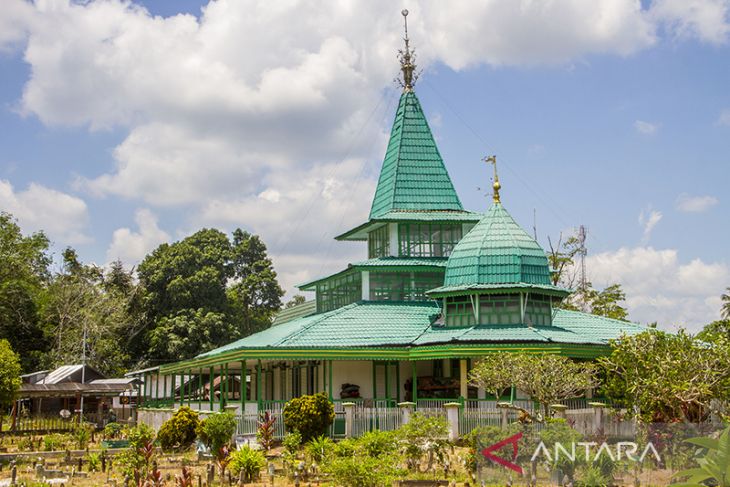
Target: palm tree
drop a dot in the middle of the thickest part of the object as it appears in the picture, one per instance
(725, 311)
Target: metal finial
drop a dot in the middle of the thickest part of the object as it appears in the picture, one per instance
(406, 57)
(495, 185)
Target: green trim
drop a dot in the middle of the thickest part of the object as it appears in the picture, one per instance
(211, 396)
(452, 350)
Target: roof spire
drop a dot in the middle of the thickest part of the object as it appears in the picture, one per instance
(495, 185)
(406, 57)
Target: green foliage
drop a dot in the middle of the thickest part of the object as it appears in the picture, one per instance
(546, 378)
(249, 461)
(495, 373)
(82, 435)
(23, 277)
(113, 430)
(592, 476)
(55, 442)
(309, 415)
(179, 431)
(667, 377)
(9, 373)
(292, 442)
(725, 298)
(319, 448)
(216, 431)
(717, 330)
(377, 443)
(362, 471)
(140, 435)
(205, 291)
(93, 461)
(714, 464)
(424, 435)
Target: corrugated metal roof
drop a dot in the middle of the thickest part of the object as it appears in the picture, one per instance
(402, 262)
(497, 251)
(408, 324)
(413, 176)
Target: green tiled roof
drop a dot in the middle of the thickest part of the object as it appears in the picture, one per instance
(287, 314)
(413, 176)
(402, 262)
(409, 324)
(545, 289)
(361, 231)
(497, 251)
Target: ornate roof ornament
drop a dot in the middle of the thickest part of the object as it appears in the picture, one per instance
(407, 57)
(495, 185)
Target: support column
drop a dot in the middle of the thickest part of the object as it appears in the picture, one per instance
(414, 385)
(406, 410)
(172, 389)
(258, 383)
(201, 389)
(329, 382)
(191, 385)
(463, 379)
(243, 384)
(211, 384)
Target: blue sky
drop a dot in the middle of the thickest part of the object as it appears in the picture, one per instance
(123, 125)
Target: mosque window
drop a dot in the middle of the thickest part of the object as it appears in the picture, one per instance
(500, 309)
(403, 286)
(459, 311)
(537, 310)
(428, 239)
(379, 243)
(339, 291)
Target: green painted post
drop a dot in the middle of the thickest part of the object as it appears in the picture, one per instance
(157, 386)
(228, 386)
(164, 387)
(211, 396)
(387, 383)
(258, 383)
(397, 381)
(329, 381)
(221, 388)
(375, 381)
(243, 386)
(190, 387)
(200, 389)
(172, 389)
(414, 386)
(144, 388)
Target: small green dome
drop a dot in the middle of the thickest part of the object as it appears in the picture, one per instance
(497, 251)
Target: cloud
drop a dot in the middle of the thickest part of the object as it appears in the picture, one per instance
(706, 20)
(131, 247)
(695, 204)
(649, 219)
(661, 288)
(645, 128)
(724, 118)
(64, 218)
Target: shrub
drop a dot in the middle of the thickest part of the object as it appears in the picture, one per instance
(178, 432)
(424, 435)
(309, 415)
(359, 471)
(216, 432)
(319, 448)
(265, 430)
(54, 442)
(94, 462)
(113, 430)
(377, 443)
(292, 442)
(248, 461)
(82, 434)
(140, 435)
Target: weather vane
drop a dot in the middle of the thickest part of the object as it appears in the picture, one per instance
(495, 185)
(406, 57)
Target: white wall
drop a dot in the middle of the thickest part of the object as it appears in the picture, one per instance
(358, 372)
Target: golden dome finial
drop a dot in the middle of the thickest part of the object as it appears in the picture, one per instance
(495, 185)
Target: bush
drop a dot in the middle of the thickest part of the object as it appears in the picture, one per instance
(424, 435)
(248, 461)
(113, 430)
(216, 432)
(82, 434)
(94, 462)
(292, 442)
(309, 415)
(178, 432)
(54, 442)
(319, 448)
(139, 436)
(359, 471)
(377, 443)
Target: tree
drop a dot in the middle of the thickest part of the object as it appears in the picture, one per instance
(296, 300)
(549, 379)
(9, 376)
(495, 373)
(561, 258)
(717, 329)
(205, 291)
(601, 303)
(667, 377)
(546, 378)
(23, 276)
(725, 312)
(81, 307)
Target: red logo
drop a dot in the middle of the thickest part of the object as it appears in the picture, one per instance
(487, 452)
